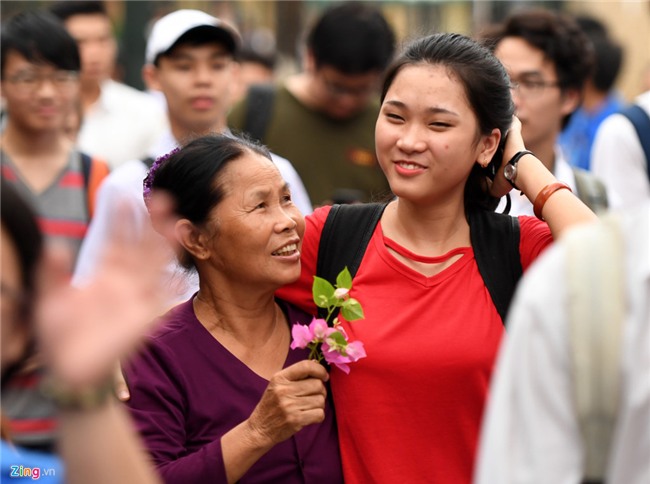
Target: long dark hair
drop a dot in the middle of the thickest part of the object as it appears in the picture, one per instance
(486, 85)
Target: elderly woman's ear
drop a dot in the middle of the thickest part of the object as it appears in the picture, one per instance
(192, 239)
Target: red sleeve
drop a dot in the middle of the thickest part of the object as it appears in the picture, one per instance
(534, 239)
(299, 293)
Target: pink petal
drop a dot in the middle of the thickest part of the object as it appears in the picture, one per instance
(301, 336)
(355, 350)
(319, 328)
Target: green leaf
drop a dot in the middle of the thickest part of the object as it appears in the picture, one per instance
(323, 292)
(344, 279)
(352, 310)
(338, 338)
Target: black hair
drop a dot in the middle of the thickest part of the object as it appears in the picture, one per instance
(65, 10)
(608, 54)
(353, 38)
(40, 38)
(199, 36)
(486, 84)
(19, 221)
(250, 54)
(561, 40)
(192, 175)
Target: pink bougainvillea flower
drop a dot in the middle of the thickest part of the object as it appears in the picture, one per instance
(325, 338)
(339, 352)
(319, 329)
(355, 350)
(301, 336)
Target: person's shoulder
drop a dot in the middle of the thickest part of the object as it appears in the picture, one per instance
(319, 215)
(174, 324)
(127, 174)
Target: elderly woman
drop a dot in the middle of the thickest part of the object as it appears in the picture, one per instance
(217, 394)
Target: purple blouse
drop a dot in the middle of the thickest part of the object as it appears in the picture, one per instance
(187, 390)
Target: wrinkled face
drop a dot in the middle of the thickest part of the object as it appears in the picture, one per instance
(197, 83)
(38, 97)
(14, 330)
(97, 46)
(426, 135)
(540, 104)
(342, 96)
(257, 229)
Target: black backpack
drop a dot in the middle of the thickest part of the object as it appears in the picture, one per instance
(494, 237)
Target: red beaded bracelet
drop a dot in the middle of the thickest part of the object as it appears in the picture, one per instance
(543, 196)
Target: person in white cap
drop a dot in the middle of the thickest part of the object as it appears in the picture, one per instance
(191, 59)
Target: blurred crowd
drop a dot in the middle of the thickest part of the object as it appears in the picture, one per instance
(84, 274)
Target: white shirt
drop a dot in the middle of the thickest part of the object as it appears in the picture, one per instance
(121, 192)
(521, 205)
(122, 125)
(617, 158)
(530, 434)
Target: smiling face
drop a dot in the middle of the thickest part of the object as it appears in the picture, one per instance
(255, 232)
(38, 97)
(427, 137)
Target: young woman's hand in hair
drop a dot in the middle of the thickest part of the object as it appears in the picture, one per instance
(514, 143)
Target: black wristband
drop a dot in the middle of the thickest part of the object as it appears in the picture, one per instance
(513, 162)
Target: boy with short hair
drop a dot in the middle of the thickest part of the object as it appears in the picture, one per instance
(323, 118)
(40, 85)
(119, 122)
(190, 57)
(549, 59)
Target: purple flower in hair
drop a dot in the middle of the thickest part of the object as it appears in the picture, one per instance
(148, 180)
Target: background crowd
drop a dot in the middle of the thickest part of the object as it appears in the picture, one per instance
(249, 140)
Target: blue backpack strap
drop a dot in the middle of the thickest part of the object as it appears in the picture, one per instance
(495, 241)
(345, 236)
(641, 122)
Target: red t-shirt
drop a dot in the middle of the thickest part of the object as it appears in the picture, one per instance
(411, 410)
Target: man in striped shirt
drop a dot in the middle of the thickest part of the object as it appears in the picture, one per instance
(40, 87)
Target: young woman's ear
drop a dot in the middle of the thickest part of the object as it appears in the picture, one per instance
(488, 147)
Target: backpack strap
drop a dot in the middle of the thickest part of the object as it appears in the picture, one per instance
(259, 107)
(641, 122)
(93, 172)
(590, 190)
(596, 294)
(357, 222)
(495, 241)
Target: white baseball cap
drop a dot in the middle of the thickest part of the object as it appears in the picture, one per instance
(167, 30)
